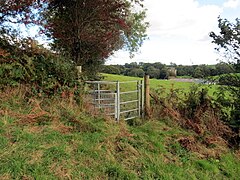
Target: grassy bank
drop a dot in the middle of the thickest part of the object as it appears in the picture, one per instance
(54, 138)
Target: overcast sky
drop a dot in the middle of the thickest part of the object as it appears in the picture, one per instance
(179, 31)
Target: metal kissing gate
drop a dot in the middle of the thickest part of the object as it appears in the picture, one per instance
(122, 100)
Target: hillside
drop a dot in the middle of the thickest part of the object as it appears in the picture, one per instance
(54, 138)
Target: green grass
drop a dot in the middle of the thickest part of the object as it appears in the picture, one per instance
(156, 83)
(69, 143)
(185, 77)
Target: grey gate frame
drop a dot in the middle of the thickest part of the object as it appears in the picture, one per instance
(112, 102)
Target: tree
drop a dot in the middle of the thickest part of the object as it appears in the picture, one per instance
(87, 31)
(136, 72)
(164, 73)
(198, 72)
(224, 68)
(159, 65)
(202, 71)
(153, 72)
(92, 30)
(229, 41)
(19, 12)
(110, 69)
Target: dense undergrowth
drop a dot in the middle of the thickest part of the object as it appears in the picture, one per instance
(26, 62)
(202, 108)
(196, 111)
(56, 138)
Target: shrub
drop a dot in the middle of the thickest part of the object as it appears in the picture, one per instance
(194, 110)
(26, 62)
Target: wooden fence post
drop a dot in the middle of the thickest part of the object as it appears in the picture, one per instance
(146, 96)
(79, 71)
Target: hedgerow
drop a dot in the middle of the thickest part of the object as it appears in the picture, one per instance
(26, 62)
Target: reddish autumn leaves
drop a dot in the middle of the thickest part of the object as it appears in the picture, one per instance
(86, 30)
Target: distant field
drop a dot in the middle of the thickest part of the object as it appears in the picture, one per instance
(156, 83)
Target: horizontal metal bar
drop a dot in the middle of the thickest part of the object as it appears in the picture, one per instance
(128, 102)
(95, 93)
(111, 82)
(130, 118)
(129, 92)
(107, 91)
(104, 105)
(132, 110)
(105, 99)
(123, 82)
(101, 82)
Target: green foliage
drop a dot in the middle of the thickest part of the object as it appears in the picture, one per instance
(52, 73)
(164, 74)
(110, 69)
(47, 74)
(163, 71)
(35, 66)
(228, 41)
(194, 110)
(153, 72)
(198, 73)
(229, 80)
(224, 68)
(228, 98)
(104, 27)
(136, 72)
(195, 98)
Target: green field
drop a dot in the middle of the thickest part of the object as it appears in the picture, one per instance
(156, 83)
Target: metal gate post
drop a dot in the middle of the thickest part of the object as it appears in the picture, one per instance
(99, 95)
(115, 107)
(118, 100)
(139, 97)
(142, 99)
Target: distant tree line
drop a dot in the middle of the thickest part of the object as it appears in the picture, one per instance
(162, 71)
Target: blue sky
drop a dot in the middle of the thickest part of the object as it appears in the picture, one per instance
(179, 31)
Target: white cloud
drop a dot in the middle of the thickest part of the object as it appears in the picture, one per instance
(185, 18)
(231, 4)
(178, 33)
